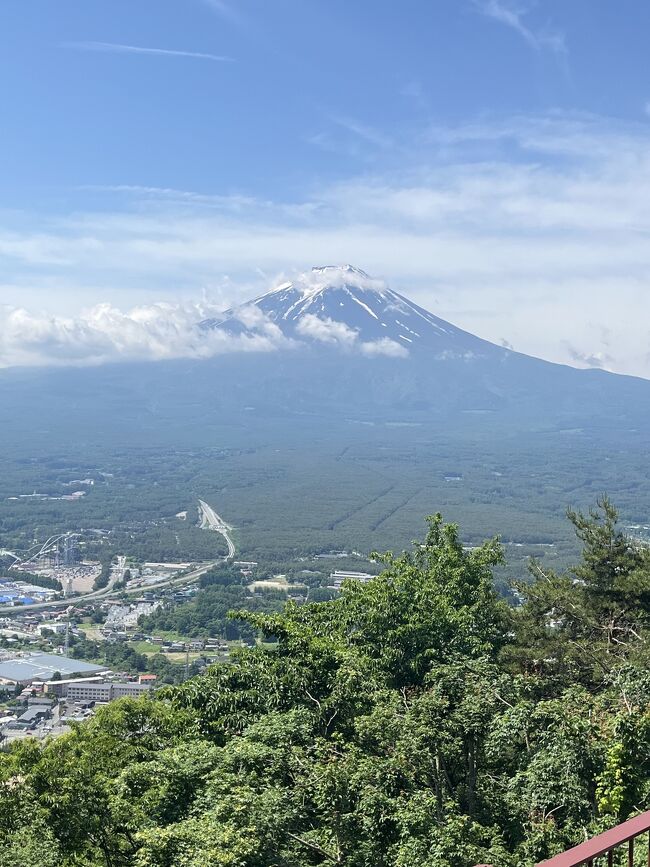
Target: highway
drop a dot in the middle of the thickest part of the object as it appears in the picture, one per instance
(117, 573)
(209, 520)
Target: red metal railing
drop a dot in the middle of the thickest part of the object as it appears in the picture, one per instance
(621, 840)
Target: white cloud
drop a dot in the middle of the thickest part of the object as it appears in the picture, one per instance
(221, 7)
(326, 330)
(589, 359)
(385, 346)
(105, 333)
(117, 48)
(366, 133)
(329, 331)
(532, 230)
(228, 12)
(162, 331)
(253, 318)
(321, 276)
(158, 332)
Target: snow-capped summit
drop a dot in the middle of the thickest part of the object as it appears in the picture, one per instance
(341, 269)
(340, 305)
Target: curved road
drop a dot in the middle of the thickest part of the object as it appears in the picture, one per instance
(211, 521)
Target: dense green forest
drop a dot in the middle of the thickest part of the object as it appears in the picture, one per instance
(415, 721)
(206, 615)
(314, 486)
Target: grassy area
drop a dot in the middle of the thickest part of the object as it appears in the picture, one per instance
(179, 658)
(86, 625)
(146, 647)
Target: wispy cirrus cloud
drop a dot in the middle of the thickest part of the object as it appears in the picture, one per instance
(366, 133)
(226, 11)
(221, 7)
(118, 48)
(351, 137)
(512, 13)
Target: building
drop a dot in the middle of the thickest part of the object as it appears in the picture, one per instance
(25, 669)
(41, 701)
(59, 688)
(339, 576)
(52, 626)
(30, 718)
(104, 690)
(122, 616)
(21, 593)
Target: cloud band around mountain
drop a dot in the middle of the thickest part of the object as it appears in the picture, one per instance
(158, 332)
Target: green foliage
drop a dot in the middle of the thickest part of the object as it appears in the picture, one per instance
(31, 578)
(122, 656)
(414, 721)
(223, 576)
(102, 579)
(206, 615)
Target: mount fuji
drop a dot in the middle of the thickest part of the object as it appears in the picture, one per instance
(331, 413)
(344, 343)
(336, 345)
(341, 306)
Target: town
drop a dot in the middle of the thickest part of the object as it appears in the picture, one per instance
(72, 645)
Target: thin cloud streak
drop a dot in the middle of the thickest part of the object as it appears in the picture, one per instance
(117, 48)
(220, 6)
(366, 133)
(511, 14)
(224, 10)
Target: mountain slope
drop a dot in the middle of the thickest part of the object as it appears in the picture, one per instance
(342, 306)
(333, 345)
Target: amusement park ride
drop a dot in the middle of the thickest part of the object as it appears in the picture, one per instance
(57, 550)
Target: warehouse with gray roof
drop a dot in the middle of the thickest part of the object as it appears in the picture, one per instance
(24, 670)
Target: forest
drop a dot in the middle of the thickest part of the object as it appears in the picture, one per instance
(418, 719)
(206, 615)
(313, 486)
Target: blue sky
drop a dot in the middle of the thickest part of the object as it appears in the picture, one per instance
(489, 157)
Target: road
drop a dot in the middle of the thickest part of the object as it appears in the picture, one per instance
(211, 521)
(117, 573)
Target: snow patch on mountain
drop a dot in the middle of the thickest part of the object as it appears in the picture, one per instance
(342, 306)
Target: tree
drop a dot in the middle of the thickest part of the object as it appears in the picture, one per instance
(412, 720)
(582, 623)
